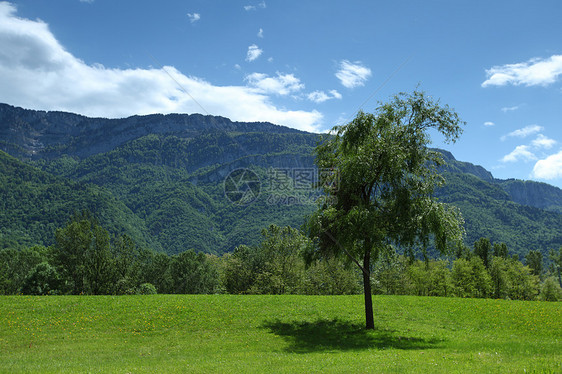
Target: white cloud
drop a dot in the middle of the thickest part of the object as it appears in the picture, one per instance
(282, 84)
(253, 53)
(193, 17)
(534, 72)
(261, 5)
(521, 152)
(543, 142)
(489, 124)
(38, 73)
(260, 33)
(335, 94)
(509, 109)
(321, 96)
(548, 168)
(524, 132)
(353, 74)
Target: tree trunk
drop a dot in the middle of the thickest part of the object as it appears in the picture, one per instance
(369, 318)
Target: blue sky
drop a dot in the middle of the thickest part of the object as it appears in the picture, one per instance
(304, 64)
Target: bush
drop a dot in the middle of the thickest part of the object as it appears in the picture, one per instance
(146, 289)
(125, 286)
(550, 290)
(470, 278)
(331, 277)
(42, 280)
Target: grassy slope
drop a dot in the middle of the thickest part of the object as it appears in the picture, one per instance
(224, 333)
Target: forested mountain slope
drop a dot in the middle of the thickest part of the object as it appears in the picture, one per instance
(34, 204)
(162, 179)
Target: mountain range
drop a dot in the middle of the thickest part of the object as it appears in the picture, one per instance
(176, 182)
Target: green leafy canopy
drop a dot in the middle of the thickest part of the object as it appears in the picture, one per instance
(386, 178)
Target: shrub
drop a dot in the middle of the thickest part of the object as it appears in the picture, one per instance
(146, 289)
(42, 280)
(550, 290)
(125, 286)
(470, 278)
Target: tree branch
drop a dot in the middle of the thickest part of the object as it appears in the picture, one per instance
(365, 271)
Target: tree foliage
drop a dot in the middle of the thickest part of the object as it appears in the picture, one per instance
(83, 255)
(483, 249)
(551, 290)
(470, 278)
(192, 273)
(556, 263)
(534, 261)
(43, 279)
(277, 266)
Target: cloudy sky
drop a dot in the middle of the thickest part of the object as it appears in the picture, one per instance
(304, 64)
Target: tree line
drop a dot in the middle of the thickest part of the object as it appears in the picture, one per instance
(86, 260)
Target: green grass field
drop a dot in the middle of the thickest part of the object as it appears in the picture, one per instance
(245, 334)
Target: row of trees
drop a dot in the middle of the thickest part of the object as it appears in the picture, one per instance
(281, 264)
(85, 260)
(502, 277)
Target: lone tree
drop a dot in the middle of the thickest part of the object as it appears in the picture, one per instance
(378, 175)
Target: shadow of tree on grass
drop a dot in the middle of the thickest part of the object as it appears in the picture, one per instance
(336, 335)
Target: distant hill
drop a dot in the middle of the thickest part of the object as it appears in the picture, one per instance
(162, 177)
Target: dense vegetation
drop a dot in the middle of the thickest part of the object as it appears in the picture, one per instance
(488, 212)
(35, 203)
(86, 260)
(141, 198)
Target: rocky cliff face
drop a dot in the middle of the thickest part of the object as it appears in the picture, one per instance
(465, 167)
(530, 193)
(539, 195)
(31, 134)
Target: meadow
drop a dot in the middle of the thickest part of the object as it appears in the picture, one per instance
(285, 334)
